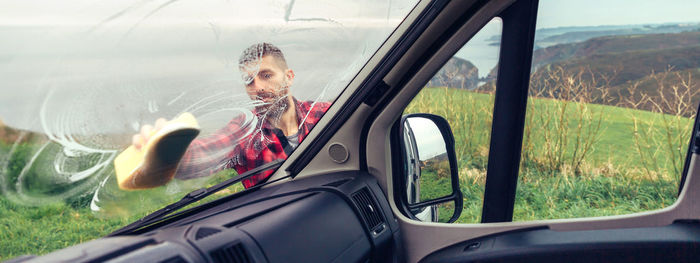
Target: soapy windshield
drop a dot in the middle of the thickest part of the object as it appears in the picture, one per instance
(82, 81)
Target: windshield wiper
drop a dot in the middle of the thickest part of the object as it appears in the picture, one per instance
(192, 197)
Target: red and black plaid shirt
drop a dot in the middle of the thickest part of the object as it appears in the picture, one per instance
(248, 149)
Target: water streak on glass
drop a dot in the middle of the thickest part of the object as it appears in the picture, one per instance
(80, 79)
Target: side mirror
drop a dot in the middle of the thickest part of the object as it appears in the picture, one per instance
(430, 174)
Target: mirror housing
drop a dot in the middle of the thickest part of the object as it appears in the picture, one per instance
(427, 151)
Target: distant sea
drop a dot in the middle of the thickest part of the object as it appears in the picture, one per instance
(483, 49)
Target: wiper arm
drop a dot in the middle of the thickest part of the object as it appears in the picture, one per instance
(192, 197)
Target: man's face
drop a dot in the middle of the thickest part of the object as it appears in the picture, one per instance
(267, 83)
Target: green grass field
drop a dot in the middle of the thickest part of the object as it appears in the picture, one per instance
(625, 170)
(632, 163)
(469, 115)
(554, 198)
(41, 229)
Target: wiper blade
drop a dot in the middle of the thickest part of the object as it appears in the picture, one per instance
(192, 197)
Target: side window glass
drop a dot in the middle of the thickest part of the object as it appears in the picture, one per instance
(611, 106)
(462, 92)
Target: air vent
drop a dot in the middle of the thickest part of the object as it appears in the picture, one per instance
(205, 232)
(369, 209)
(230, 253)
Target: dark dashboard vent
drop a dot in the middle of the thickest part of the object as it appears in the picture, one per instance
(368, 207)
(230, 253)
(205, 232)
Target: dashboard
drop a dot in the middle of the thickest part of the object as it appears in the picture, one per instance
(329, 218)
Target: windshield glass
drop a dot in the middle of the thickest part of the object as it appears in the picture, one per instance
(112, 109)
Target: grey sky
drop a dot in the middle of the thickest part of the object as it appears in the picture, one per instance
(552, 13)
(428, 138)
(71, 12)
(558, 13)
(33, 58)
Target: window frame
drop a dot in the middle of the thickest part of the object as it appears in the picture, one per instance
(441, 42)
(512, 84)
(509, 113)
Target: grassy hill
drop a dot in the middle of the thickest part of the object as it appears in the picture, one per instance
(629, 66)
(626, 168)
(456, 73)
(42, 229)
(9, 135)
(635, 71)
(469, 114)
(673, 92)
(60, 219)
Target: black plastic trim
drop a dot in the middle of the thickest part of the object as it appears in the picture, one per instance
(678, 242)
(123, 250)
(373, 97)
(372, 81)
(308, 192)
(400, 197)
(186, 213)
(510, 104)
(439, 200)
(693, 148)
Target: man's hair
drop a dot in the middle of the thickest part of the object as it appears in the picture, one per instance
(257, 51)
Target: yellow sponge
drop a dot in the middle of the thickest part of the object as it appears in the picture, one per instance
(155, 164)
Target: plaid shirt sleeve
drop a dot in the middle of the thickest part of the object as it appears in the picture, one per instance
(206, 156)
(233, 148)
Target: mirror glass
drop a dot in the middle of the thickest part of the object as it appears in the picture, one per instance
(427, 168)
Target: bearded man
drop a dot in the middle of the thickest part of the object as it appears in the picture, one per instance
(283, 122)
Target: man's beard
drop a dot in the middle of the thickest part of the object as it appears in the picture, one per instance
(273, 111)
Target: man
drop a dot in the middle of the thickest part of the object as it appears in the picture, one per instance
(283, 122)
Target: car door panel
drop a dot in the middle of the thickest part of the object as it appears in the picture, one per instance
(422, 239)
(678, 242)
(441, 236)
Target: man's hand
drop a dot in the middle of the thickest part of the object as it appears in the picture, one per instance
(147, 131)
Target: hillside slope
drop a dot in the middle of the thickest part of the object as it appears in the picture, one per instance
(644, 72)
(469, 115)
(633, 65)
(614, 44)
(9, 135)
(456, 73)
